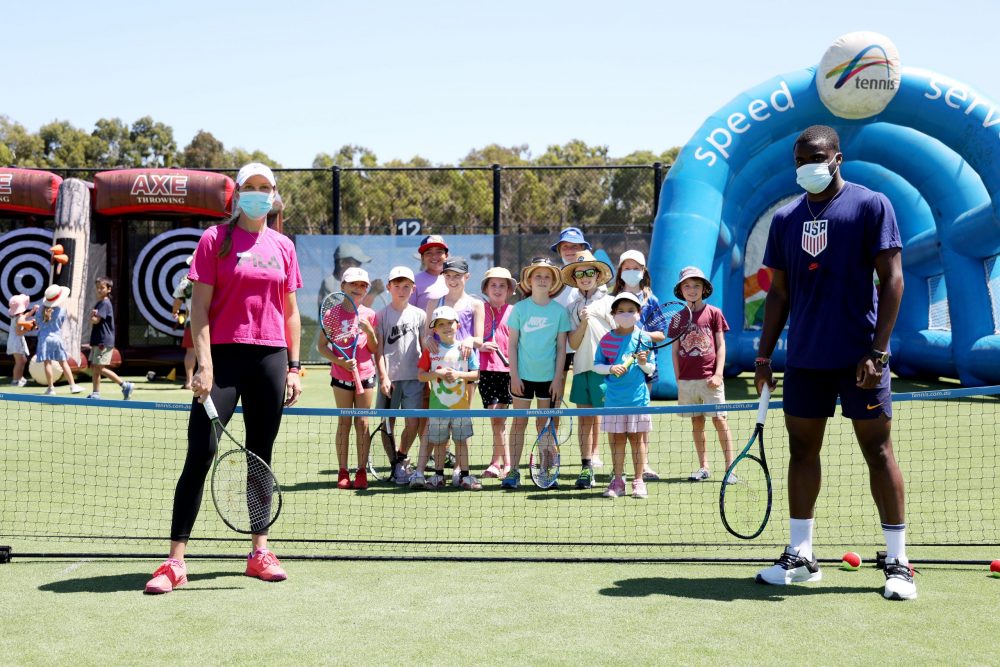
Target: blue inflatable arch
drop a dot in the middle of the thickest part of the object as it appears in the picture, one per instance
(935, 153)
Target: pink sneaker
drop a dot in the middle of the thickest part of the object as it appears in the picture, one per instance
(170, 575)
(639, 489)
(264, 565)
(616, 489)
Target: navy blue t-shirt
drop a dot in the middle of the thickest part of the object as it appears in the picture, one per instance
(103, 333)
(830, 264)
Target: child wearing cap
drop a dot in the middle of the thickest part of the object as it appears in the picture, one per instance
(569, 246)
(429, 283)
(633, 277)
(355, 284)
(494, 375)
(399, 329)
(182, 297)
(448, 373)
(21, 322)
(699, 356)
(590, 316)
(102, 341)
(537, 351)
(626, 364)
(50, 340)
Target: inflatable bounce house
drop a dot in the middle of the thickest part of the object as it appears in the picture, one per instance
(930, 143)
(136, 226)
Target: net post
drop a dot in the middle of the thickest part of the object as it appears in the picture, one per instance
(4, 554)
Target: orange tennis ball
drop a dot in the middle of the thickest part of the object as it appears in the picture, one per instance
(851, 561)
(995, 569)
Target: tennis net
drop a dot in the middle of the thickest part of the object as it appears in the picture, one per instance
(98, 478)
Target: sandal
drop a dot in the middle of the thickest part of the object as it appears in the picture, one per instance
(493, 471)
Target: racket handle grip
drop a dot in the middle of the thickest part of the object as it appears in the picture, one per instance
(358, 387)
(765, 397)
(503, 359)
(210, 408)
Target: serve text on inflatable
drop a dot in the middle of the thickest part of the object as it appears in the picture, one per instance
(858, 75)
(28, 191)
(183, 192)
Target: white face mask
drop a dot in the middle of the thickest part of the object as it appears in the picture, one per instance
(627, 320)
(632, 277)
(815, 178)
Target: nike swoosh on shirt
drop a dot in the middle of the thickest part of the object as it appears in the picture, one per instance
(528, 328)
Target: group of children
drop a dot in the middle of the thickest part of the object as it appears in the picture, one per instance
(435, 345)
(51, 348)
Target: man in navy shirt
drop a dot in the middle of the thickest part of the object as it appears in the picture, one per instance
(823, 248)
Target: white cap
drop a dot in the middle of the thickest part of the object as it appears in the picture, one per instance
(355, 274)
(443, 313)
(254, 169)
(634, 255)
(401, 272)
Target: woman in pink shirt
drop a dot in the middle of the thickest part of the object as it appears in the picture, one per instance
(245, 325)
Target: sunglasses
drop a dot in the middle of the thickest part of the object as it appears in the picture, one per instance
(585, 273)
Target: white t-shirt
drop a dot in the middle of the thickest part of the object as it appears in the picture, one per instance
(599, 322)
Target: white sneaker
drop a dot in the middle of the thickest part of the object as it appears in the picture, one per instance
(790, 568)
(20, 383)
(417, 480)
(699, 475)
(470, 483)
(731, 478)
(402, 475)
(435, 482)
(456, 478)
(75, 389)
(899, 580)
(50, 392)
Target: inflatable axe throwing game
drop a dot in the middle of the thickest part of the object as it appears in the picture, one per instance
(929, 142)
(137, 226)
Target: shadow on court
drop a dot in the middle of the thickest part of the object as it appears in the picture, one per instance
(135, 581)
(723, 589)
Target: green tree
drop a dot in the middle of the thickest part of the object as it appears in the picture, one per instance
(65, 145)
(151, 144)
(204, 152)
(22, 148)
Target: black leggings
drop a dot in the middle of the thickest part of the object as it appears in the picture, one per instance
(255, 373)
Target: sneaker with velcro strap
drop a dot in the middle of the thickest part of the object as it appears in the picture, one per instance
(790, 568)
(699, 475)
(899, 580)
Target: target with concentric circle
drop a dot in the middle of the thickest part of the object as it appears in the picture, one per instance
(158, 269)
(25, 262)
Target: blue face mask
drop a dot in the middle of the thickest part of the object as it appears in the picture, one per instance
(632, 277)
(256, 204)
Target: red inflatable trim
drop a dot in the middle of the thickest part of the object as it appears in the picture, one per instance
(29, 191)
(182, 192)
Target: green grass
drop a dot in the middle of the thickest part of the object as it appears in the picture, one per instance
(92, 613)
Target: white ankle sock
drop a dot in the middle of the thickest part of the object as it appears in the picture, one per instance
(802, 537)
(895, 540)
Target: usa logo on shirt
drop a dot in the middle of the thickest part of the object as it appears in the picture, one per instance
(814, 236)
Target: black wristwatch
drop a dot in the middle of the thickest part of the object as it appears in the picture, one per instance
(879, 356)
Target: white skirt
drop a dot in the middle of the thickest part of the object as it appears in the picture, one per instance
(17, 344)
(630, 423)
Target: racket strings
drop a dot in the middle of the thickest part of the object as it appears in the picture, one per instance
(243, 488)
(745, 500)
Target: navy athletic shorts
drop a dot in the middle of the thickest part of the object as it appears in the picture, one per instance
(811, 393)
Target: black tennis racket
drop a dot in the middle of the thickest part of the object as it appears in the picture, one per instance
(381, 468)
(340, 321)
(673, 318)
(563, 425)
(245, 491)
(745, 496)
(544, 460)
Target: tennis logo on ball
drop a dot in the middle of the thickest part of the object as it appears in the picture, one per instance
(851, 562)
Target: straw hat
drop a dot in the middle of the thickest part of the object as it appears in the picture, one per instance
(502, 273)
(541, 264)
(585, 260)
(55, 295)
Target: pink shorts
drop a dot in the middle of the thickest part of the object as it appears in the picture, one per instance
(630, 423)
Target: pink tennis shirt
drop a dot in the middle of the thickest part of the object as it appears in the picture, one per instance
(250, 284)
(345, 322)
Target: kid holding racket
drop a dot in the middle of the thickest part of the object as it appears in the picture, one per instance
(620, 356)
(537, 352)
(590, 316)
(494, 374)
(242, 355)
(699, 356)
(400, 325)
(633, 277)
(354, 283)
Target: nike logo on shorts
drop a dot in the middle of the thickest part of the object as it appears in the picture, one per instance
(872, 407)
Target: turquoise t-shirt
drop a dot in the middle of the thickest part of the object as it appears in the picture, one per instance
(538, 329)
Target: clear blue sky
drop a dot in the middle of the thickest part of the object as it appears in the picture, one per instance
(437, 79)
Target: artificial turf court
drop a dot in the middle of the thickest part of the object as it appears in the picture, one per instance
(403, 610)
